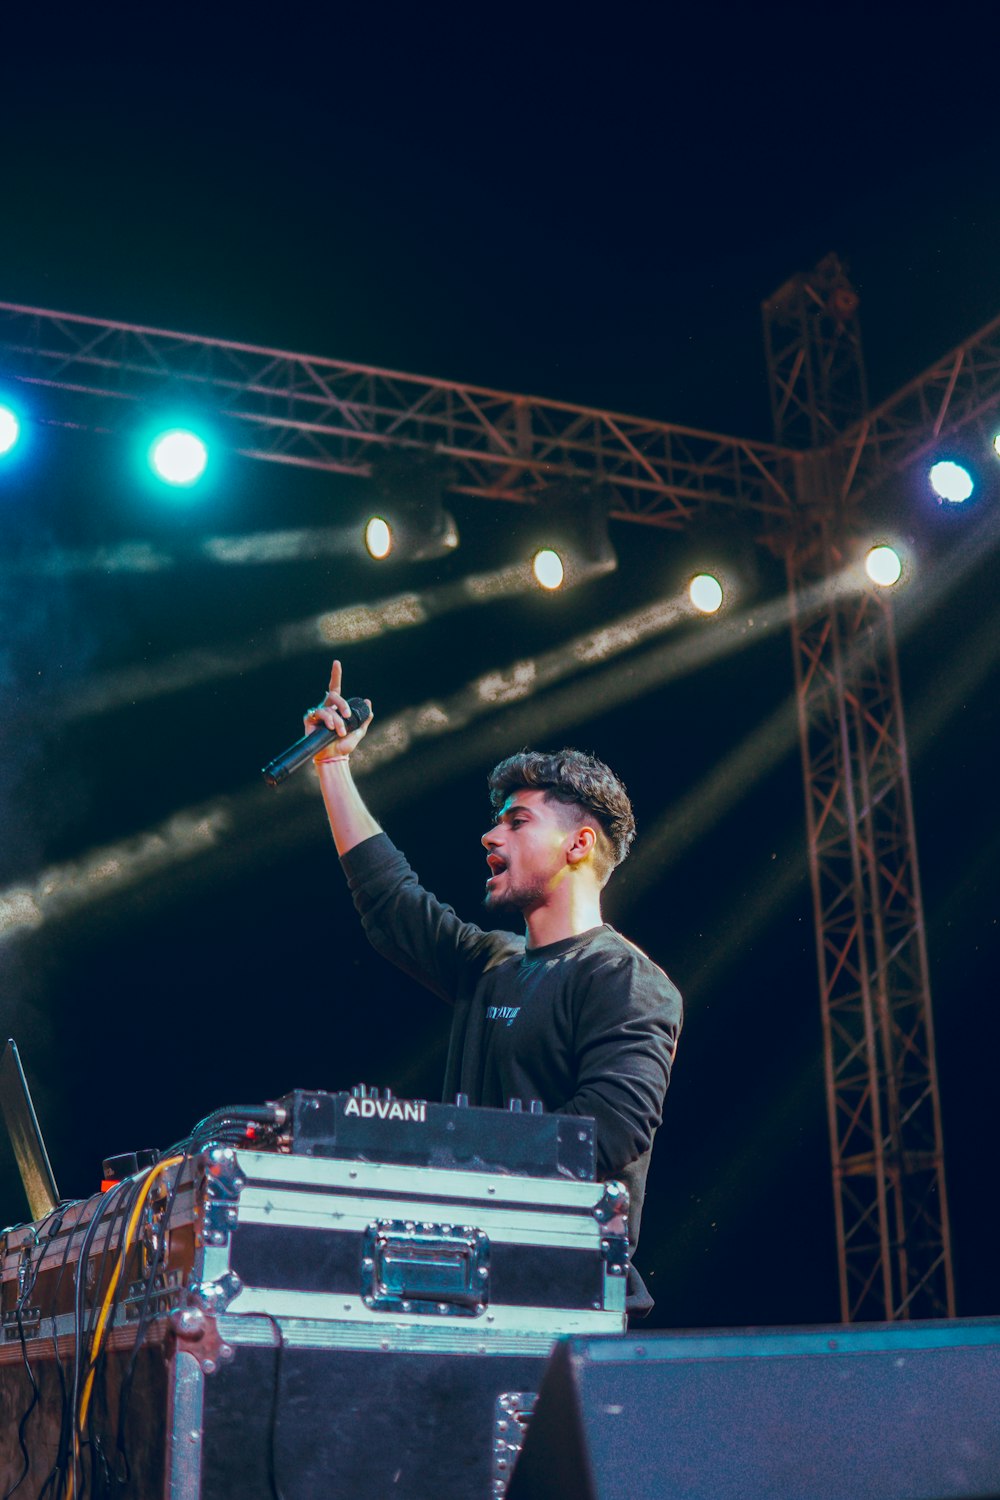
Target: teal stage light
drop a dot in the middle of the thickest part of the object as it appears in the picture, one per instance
(10, 430)
(178, 457)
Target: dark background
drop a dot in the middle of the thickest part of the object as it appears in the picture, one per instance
(538, 203)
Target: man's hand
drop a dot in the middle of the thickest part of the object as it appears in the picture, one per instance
(333, 712)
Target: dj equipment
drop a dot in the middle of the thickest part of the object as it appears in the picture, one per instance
(379, 1288)
(366, 1125)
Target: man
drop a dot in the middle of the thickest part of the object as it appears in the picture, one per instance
(572, 1014)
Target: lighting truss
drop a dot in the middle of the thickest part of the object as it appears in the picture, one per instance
(327, 414)
(959, 389)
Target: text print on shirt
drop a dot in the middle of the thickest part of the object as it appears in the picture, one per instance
(502, 1013)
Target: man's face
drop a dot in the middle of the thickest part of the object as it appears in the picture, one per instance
(526, 851)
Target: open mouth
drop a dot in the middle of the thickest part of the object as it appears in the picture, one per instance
(496, 864)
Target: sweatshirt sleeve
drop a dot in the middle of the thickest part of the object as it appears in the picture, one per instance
(627, 1031)
(410, 926)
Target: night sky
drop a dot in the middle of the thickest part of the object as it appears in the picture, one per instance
(591, 213)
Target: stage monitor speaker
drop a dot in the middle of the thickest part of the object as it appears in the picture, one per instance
(881, 1412)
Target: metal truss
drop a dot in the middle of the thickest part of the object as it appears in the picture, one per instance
(882, 1099)
(813, 347)
(327, 414)
(961, 388)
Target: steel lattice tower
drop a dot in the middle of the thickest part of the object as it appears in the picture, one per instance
(882, 1097)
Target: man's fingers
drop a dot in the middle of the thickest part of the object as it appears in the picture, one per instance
(334, 711)
(329, 717)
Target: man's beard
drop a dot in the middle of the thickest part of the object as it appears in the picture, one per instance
(520, 898)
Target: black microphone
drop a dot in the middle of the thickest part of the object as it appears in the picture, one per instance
(279, 769)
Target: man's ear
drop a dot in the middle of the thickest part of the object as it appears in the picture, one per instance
(582, 846)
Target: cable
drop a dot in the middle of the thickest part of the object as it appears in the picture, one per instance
(125, 1392)
(272, 1438)
(233, 1124)
(26, 1290)
(109, 1297)
(65, 1424)
(94, 1447)
(53, 1220)
(109, 1199)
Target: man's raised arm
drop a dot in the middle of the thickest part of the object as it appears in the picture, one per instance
(350, 821)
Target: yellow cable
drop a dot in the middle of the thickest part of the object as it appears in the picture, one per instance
(109, 1297)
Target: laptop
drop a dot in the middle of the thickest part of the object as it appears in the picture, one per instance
(25, 1136)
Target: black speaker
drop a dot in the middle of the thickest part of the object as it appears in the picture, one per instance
(881, 1412)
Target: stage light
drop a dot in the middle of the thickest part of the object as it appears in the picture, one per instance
(411, 533)
(378, 538)
(178, 457)
(884, 566)
(996, 445)
(705, 593)
(572, 527)
(412, 523)
(951, 482)
(10, 430)
(548, 569)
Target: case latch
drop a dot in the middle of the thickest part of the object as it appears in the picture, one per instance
(411, 1266)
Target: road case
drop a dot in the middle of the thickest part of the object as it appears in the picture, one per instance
(308, 1325)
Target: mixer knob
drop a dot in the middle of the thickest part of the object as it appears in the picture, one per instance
(515, 1106)
(462, 1101)
(537, 1107)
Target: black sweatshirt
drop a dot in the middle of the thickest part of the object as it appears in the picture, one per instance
(589, 1025)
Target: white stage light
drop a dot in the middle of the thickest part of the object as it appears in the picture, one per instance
(378, 538)
(951, 482)
(884, 566)
(706, 593)
(548, 568)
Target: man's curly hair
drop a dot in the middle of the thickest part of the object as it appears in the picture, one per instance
(579, 780)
